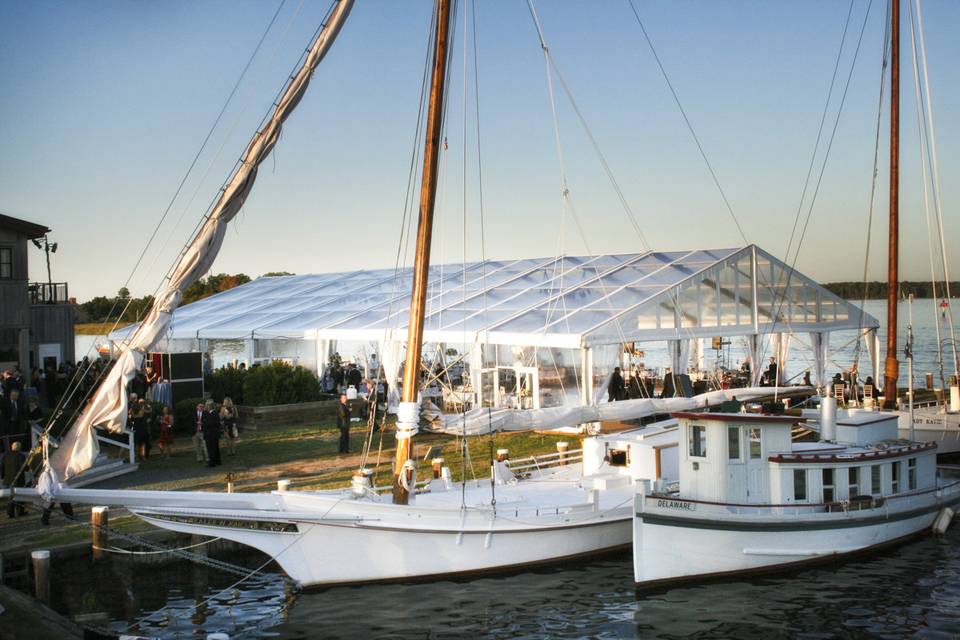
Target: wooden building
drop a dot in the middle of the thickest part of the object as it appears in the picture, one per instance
(36, 319)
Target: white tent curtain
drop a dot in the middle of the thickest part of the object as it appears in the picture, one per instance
(873, 347)
(680, 354)
(755, 347)
(390, 360)
(781, 343)
(820, 345)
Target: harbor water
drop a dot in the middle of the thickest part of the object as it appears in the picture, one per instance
(908, 591)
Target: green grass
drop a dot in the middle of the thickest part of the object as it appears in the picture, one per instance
(96, 328)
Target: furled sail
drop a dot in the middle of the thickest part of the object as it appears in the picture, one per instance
(482, 420)
(108, 407)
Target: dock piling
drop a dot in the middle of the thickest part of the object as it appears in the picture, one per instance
(99, 519)
(41, 574)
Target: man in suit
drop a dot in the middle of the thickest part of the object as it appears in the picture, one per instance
(343, 423)
(772, 373)
(11, 417)
(616, 388)
(199, 444)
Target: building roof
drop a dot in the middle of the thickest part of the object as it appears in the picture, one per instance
(29, 229)
(562, 301)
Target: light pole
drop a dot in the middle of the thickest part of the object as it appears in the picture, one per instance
(48, 248)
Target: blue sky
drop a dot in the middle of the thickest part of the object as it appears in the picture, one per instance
(103, 105)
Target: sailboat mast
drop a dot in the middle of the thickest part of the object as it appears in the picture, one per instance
(892, 367)
(421, 264)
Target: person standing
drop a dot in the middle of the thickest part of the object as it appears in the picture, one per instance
(210, 426)
(616, 387)
(13, 464)
(228, 417)
(165, 442)
(343, 423)
(11, 417)
(772, 373)
(199, 446)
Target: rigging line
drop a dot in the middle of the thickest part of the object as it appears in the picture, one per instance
(823, 167)
(686, 119)
(938, 205)
(476, 108)
(823, 119)
(203, 145)
(552, 65)
(873, 181)
(924, 151)
(59, 410)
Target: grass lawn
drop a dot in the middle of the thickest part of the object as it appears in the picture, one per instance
(96, 328)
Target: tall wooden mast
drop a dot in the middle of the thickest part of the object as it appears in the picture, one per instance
(421, 265)
(891, 368)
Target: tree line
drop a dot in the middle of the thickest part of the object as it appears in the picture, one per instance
(878, 290)
(107, 308)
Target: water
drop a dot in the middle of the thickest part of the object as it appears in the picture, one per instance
(910, 591)
(842, 346)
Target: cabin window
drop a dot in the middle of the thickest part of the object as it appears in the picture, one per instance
(800, 485)
(828, 494)
(756, 444)
(853, 481)
(6, 263)
(894, 477)
(912, 473)
(876, 486)
(733, 442)
(698, 441)
(618, 458)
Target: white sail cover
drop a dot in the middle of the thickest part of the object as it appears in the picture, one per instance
(485, 420)
(108, 407)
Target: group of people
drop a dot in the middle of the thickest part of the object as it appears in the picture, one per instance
(212, 422)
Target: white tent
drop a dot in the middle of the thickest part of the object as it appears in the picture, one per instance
(559, 316)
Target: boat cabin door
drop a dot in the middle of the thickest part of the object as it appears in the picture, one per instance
(757, 466)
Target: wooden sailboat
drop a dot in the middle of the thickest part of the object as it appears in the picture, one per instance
(562, 508)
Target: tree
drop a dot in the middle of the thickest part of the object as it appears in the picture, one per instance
(124, 293)
(274, 274)
(212, 284)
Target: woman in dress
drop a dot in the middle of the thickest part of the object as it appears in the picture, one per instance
(166, 432)
(228, 418)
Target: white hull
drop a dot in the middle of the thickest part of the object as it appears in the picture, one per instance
(931, 426)
(676, 539)
(322, 538)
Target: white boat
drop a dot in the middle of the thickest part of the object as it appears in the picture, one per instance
(750, 499)
(932, 423)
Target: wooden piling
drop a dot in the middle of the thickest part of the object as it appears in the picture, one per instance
(562, 448)
(437, 467)
(99, 519)
(41, 574)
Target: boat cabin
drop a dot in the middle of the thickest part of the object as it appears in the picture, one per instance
(736, 458)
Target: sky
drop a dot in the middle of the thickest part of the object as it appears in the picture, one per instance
(103, 106)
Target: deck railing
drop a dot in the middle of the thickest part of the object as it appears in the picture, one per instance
(48, 293)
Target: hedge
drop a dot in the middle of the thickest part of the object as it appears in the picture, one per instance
(279, 383)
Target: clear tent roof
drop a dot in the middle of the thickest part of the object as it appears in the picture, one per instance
(564, 301)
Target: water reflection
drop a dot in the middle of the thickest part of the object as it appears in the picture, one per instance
(911, 590)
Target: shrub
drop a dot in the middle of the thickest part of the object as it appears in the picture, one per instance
(185, 415)
(225, 383)
(279, 383)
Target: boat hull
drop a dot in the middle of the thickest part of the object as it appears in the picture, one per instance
(671, 547)
(930, 426)
(336, 553)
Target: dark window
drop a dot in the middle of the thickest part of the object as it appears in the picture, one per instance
(799, 484)
(912, 473)
(756, 443)
(6, 263)
(9, 345)
(618, 458)
(698, 442)
(894, 477)
(733, 442)
(876, 484)
(853, 481)
(828, 485)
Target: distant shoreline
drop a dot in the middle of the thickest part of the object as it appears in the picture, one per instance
(878, 290)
